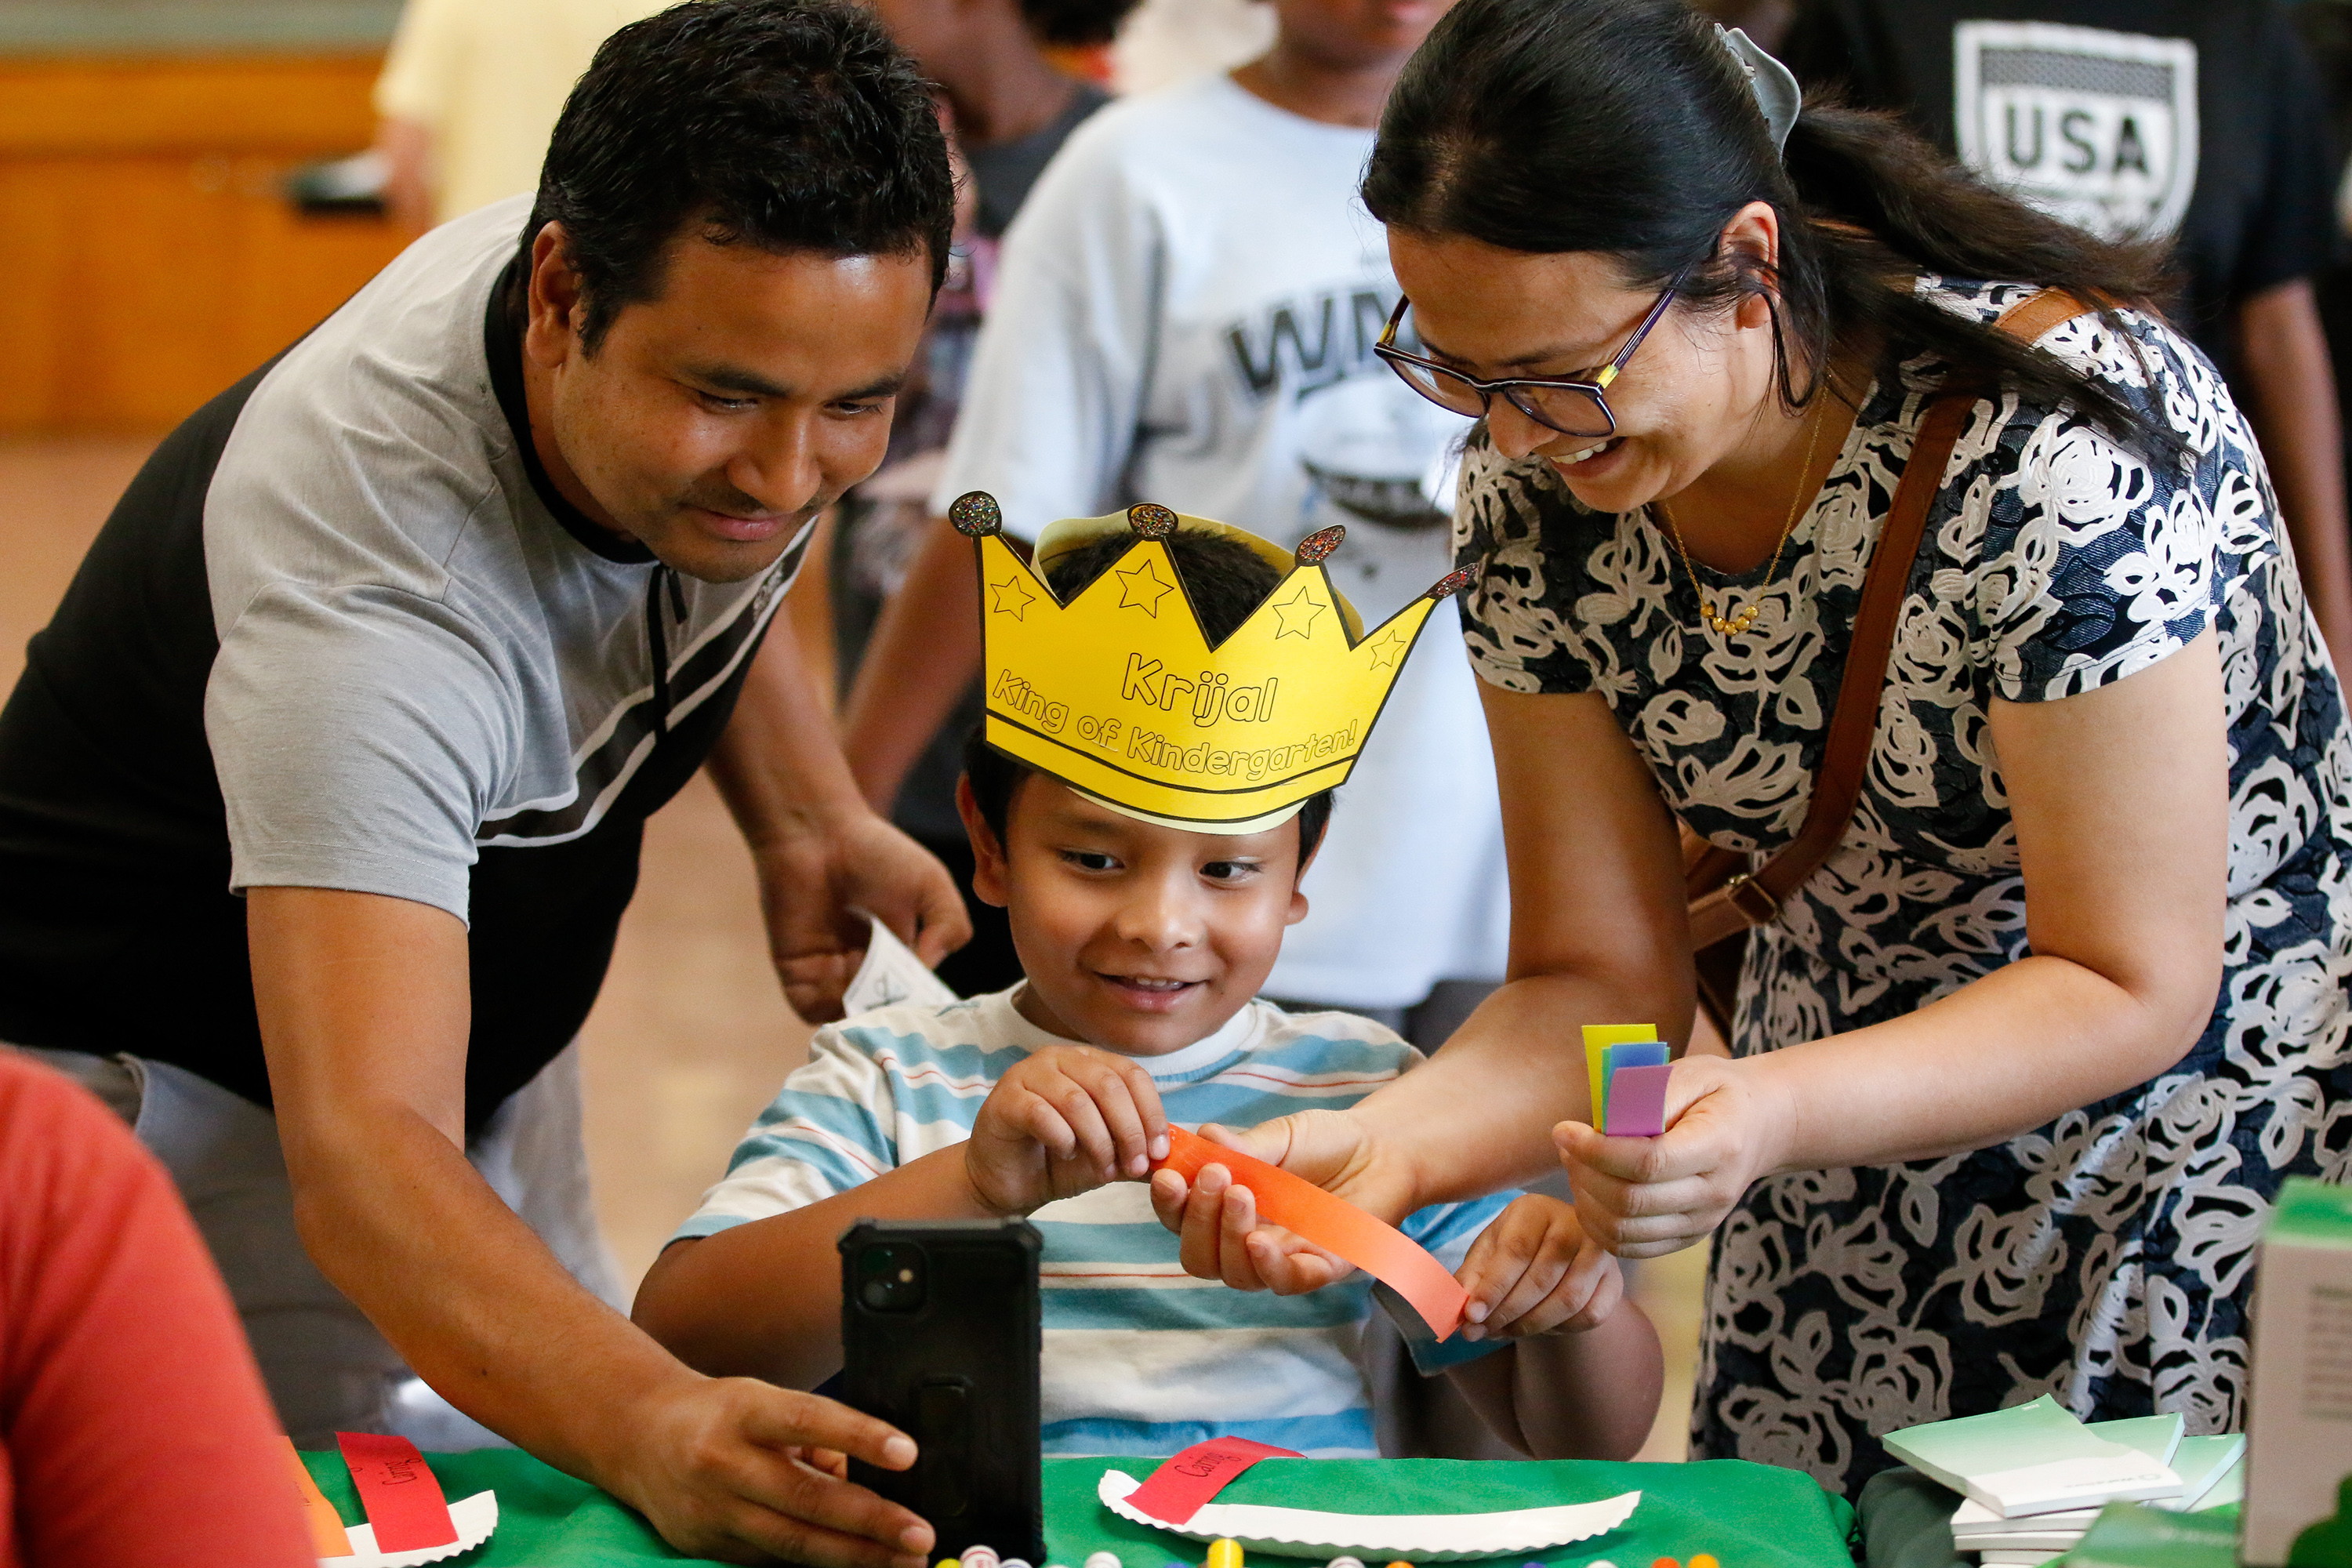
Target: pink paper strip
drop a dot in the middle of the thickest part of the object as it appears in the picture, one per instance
(1637, 1102)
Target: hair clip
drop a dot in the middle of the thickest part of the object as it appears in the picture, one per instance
(1770, 83)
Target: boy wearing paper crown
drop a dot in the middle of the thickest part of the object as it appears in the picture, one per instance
(1170, 702)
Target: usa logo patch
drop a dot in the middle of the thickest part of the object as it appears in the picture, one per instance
(2093, 126)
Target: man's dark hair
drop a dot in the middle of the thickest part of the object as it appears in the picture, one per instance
(792, 125)
(1225, 580)
(1075, 24)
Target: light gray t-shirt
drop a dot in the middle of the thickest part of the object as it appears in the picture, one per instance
(419, 657)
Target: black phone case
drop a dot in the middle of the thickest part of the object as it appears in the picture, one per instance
(959, 1374)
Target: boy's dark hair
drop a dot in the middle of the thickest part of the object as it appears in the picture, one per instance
(1075, 24)
(792, 125)
(1225, 580)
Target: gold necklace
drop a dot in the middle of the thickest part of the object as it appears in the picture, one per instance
(1739, 625)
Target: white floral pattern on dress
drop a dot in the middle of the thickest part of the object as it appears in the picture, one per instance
(2107, 1258)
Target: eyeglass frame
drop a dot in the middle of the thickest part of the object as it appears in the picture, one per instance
(1396, 359)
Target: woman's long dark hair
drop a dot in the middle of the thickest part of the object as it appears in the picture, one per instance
(1625, 127)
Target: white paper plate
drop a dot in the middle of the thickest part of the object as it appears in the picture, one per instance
(476, 1517)
(1421, 1537)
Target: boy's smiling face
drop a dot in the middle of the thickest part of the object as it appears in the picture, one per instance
(1137, 938)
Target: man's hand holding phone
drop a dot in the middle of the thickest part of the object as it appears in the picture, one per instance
(723, 1465)
(1065, 1120)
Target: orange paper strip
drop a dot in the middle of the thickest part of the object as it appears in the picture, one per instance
(1333, 1224)
(328, 1537)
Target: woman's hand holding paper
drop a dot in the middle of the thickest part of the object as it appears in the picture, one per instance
(1645, 1197)
(1217, 1220)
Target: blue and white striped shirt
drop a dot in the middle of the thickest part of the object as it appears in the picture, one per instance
(1140, 1357)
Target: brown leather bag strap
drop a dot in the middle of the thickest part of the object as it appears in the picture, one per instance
(2036, 313)
(1752, 897)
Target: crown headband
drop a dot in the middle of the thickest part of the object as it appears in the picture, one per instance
(1770, 83)
(1119, 694)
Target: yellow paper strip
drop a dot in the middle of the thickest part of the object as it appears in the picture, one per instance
(1598, 1038)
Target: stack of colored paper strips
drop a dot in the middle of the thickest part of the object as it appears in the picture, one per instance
(2035, 1478)
(1627, 1065)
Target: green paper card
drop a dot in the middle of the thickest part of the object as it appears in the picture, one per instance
(2158, 1437)
(2203, 1465)
(2127, 1535)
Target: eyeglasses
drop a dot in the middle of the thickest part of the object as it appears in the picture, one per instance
(1571, 407)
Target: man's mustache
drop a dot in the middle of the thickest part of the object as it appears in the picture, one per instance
(733, 502)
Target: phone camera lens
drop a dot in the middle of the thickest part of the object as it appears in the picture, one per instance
(892, 1278)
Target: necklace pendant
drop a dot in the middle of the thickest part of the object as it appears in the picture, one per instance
(1727, 625)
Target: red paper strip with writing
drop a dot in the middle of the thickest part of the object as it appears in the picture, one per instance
(398, 1490)
(1176, 1490)
(1333, 1224)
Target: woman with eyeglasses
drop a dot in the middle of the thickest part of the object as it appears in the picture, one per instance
(2015, 1067)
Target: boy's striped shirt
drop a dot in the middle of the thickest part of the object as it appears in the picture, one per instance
(1140, 1357)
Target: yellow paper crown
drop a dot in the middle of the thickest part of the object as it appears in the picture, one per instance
(1119, 694)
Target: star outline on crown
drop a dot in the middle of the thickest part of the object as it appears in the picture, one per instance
(1137, 582)
(1013, 596)
(1304, 605)
(1390, 648)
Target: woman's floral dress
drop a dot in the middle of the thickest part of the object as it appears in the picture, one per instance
(2105, 1258)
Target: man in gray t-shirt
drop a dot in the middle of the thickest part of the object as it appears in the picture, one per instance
(321, 798)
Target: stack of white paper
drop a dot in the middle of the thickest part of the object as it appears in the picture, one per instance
(2208, 1470)
(2037, 1458)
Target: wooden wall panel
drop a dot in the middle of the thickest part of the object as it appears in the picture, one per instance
(147, 258)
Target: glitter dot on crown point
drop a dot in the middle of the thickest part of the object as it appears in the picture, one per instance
(1151, 521)
(1318, 545)
(975, 513)
(1452, 583)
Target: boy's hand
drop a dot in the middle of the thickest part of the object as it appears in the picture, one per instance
(1065, 1120)
(1534, 1270)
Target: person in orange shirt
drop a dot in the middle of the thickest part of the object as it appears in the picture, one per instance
(137, 1431)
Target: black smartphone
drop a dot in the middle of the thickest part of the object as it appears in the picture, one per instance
(940, 1338)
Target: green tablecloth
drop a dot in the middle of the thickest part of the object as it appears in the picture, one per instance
(546, 1519)
(1749, 1516)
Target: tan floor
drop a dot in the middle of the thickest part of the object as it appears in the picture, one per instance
(691, 1036)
